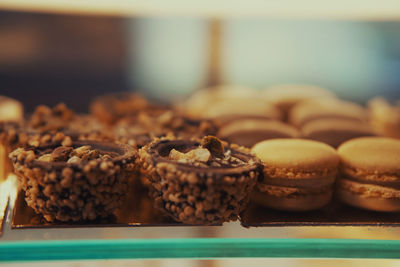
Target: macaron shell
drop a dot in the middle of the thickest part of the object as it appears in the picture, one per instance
(301, 203)
(334, 132)
(296, 158)
(385, 118)
(371, 156)
(200, 100)
(247, 132)
(292, 93)
(366, 196)
(328, 108)
(242, 106)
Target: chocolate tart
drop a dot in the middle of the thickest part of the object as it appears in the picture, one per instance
(54, 125)
(142, 129)
(199, 194)
(84, 181)
(109, 108)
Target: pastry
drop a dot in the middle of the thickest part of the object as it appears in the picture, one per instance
(285, 96)
(140, 130)
(230, 110)
(370, 173)
(11, 116)
(199, 182)
(298, 174)
(328, 108)
(385, 118)
(112, 107)
(57, 124)
(204, 98)
(335, 131)
(85, 180)
(248, 132)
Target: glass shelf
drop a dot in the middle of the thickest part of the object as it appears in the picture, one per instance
(228, 241)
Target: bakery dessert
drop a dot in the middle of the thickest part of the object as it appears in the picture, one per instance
(11, 116)
(84, 180)
(227, 103)
(248, 132)
(229, 110)
(385, 118)
(370, 173)
(298, 174)
(143, 128)
(199, 182)
(285, 96)
(201, 100)
(110, 108)
(45, 119)
(328, 108)
(50, 125)
(335, 131)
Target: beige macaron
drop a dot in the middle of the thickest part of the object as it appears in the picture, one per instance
(249, 131)
(233, 109)
(385, 118)
(370, 173)
(285, 96)
(197, 103)
(298, 174)
(328, 108)
(335, 131)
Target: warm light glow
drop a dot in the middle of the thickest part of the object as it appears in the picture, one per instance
(8, 192)
(341, 9)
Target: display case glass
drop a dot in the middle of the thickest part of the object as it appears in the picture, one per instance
(356, 19)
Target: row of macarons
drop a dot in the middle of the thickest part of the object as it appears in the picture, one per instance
(303, 175)
(247, 116)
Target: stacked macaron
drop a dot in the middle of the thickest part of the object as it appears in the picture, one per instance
(330, 120)
(385, 118)
(286, 96)
(370, 173)
(248, 132)
(243, 117)
(298, 174)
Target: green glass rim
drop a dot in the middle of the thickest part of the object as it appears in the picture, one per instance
(198, 248)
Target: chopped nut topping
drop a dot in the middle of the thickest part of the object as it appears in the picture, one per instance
(74, 160)
(198, 154)
(214, 145)
(45, 157)
(61, 153)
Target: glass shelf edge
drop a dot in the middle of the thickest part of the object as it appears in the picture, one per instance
(199, 248)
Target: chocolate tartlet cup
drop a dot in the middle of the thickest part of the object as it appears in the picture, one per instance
(71, 192)
(110, 108)
(194, 194)
(141, 130)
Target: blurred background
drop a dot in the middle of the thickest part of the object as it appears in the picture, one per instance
(48, 58)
